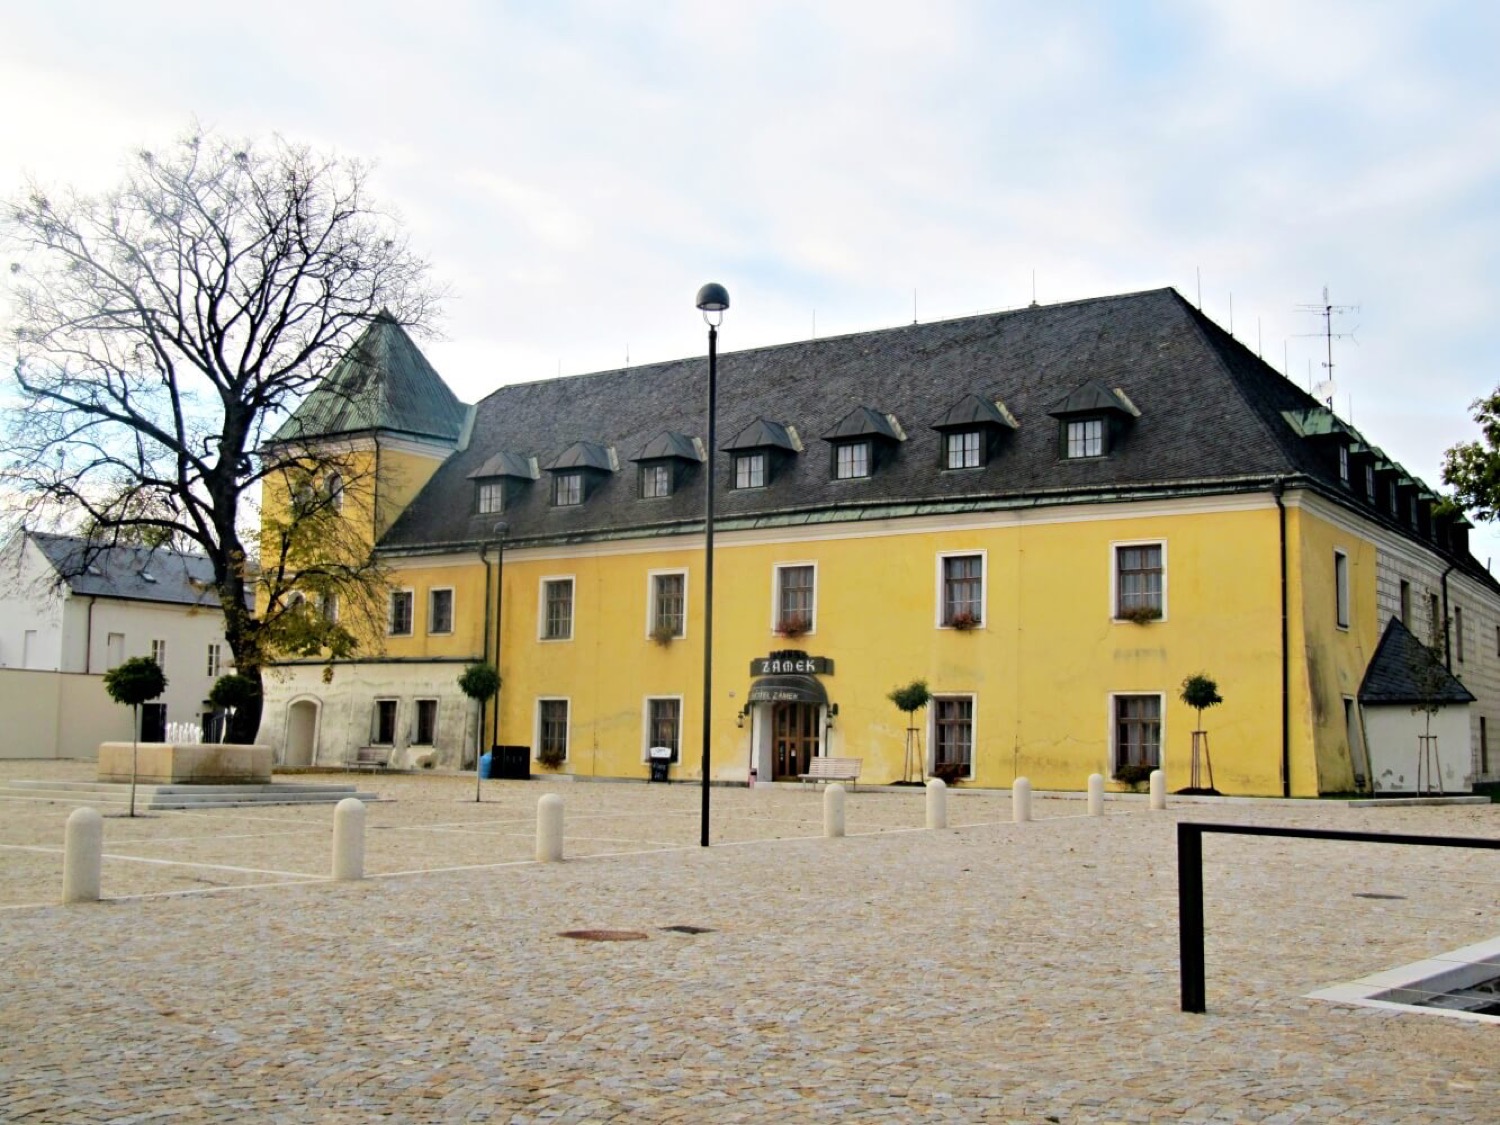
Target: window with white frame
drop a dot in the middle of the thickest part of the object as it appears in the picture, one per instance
(851, 460)
(440, 610)
(491, 497)
(567, 489)
(214, 660)
(557, 609)
(159, 653)
(961, 593)
(795, 599)
(664, 724)
(1370, 483)
(383, 723)
(1140, 581)
(426, 731)
(953, 732)
(1341, 587)
(552, 729)
(668, 617)
(114, 649)
(1085, 438)
(1137, 731)
(963, 450)
(656, 481)
(750, 470)
(401, 613)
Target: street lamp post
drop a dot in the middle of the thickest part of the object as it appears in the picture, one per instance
(713, 299)
(500, 529)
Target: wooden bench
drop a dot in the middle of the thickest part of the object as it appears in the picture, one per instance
(372, 757)
(833, 769)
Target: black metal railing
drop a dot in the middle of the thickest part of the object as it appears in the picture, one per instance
(1190, 884)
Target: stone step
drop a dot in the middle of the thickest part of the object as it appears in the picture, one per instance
(181, 797)
(181, 787)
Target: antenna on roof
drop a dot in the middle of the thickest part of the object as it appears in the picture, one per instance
(1199, 271)
(1327, 310)
(1033, 288)
(1231, 313)
(627, 353)
(914, 306)
(815, 324)
(1260, 348)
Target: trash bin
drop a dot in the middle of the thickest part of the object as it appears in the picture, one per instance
(661, 762)
(512, 763)
(486, 763)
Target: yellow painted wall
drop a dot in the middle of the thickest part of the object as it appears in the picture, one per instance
(1042, 666)
(400, 476)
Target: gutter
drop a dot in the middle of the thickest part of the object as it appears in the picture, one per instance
(88, 637)
(1278, 489)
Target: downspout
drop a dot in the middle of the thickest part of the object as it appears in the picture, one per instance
(88, 637)
(484, 561)
(1278, 489)
(1447, 630)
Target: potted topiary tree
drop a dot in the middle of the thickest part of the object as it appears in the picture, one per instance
(136, 681)
(1200, 692)
(229, 694)
(479, 682)
(910, 699)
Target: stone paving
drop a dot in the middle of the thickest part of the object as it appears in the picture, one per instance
(989, 972)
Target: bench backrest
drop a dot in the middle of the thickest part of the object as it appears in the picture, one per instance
(833, 767)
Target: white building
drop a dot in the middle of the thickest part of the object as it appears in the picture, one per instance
(69, 613)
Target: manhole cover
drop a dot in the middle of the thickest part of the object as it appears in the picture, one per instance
(1372, 894)
(603, 935)
(687, 929)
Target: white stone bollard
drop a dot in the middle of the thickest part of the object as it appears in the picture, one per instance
(83, 855)
(349, 839)
(1020, 800)
(1096, 794)
(1158, 790)
(833, 810)
(549, 829)
(937, 803)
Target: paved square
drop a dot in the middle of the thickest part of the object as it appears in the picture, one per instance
(992, 971)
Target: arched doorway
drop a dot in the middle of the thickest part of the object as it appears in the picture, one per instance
(301, 733)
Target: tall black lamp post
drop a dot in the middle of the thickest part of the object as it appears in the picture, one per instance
(713, 299)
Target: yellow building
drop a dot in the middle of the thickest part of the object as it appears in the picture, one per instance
(1052, 516)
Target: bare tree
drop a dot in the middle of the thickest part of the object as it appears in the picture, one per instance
(163, 330)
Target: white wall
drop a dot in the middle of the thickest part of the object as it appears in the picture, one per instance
(1391, 734)
(29, 601)
(55, 715)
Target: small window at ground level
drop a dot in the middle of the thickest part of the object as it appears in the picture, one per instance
(383, 729)
(1085, 438)
(426, 732)
(953, 734)
(664, 724)
(552, 730)
(1137, 728)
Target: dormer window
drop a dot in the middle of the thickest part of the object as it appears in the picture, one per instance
(579, 470)
(665, 462)
(1344, 465)
(1370, 483)
(971, 431)
(750, 470)
(499, 481)
(491, 497)
(1093, 420)
(852, 460)
(1085, 438)
(758, 451)
(567, 489)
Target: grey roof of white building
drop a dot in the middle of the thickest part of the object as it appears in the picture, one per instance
(141, 574)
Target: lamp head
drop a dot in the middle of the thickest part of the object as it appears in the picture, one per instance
(500, 529)
(713, 299)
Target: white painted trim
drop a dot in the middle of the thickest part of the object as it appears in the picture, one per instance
(541, 607)
(646, 724)
(416, 709)
(1109, 738)
(1114, 576)
(452, 611)
(776, 569)
(930, 754)
(651, 577)
(375, 702)
(984, 586)
(536, 725)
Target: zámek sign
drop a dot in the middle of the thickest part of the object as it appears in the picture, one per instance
(791, 662)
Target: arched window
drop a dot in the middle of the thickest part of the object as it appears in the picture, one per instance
(333, 486)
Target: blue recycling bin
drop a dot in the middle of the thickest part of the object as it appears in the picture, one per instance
(485, 762)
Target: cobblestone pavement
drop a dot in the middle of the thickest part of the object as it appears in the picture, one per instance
(990, 972)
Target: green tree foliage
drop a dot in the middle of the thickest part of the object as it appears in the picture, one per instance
(1472, 468)
(135, 681)
(479, 681)
(234, 691)
(911, 697)
(1200, 692)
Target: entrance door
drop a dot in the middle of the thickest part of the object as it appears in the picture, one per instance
(794, 738)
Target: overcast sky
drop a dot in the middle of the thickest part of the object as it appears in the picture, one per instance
(574, 171)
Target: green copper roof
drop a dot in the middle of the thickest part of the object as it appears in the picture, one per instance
(383, 383)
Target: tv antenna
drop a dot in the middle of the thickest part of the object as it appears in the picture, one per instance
(1327, 389)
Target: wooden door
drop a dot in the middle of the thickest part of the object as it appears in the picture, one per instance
(794, 734)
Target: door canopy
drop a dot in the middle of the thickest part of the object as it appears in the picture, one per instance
(787, 689)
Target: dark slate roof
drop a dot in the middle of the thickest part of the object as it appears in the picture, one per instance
(863, 422)
(382, 383)
(668, 444)
(971, 411)
(1405, 671)
(137, 573)
(1211, 420)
